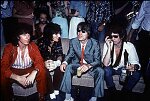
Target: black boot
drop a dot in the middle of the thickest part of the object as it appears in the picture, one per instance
(112, 93)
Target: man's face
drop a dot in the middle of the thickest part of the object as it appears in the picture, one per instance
(43, 18)
(82, 35)
(116, 38)
(24, 39)
(56, 37)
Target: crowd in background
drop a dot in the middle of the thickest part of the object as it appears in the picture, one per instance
(61, 19)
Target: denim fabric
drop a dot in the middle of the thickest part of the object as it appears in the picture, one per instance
(97, 73)
(130, 83)
(2, 36)
(79, 6)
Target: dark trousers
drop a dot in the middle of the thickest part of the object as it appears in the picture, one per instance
(130, 83)
(97, 73)
(55, 83)
(143, 50)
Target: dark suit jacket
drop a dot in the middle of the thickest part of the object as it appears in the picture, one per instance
(91, 53)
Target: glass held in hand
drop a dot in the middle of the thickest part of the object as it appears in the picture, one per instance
(49, 64)
(130, 67)
(123, 75)
(79, 73)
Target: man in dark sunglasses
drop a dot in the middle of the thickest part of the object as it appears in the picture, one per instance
(84, 55)
(119, 55)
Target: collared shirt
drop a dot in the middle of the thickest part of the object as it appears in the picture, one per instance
(49, 51)
(81, 48)
(143, 17)
(132, 55)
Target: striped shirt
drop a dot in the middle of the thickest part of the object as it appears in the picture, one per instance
(22, 63)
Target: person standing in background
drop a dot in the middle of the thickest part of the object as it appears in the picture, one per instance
(24, 12)
(60, 14)
(7, 21)
(77, 14)
(142, 22)
(98, 14)
(39, 26)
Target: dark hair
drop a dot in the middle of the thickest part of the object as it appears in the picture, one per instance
(84, 26)
(44, 12)
(118, 25)
(21, 28)
(51, 29)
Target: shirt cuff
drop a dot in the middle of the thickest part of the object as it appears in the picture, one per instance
(65, 62)
(135, 26)
(58, 62)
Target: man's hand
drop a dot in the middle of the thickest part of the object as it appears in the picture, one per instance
(101, 27)
(84, 68)
(30, 79)
(63, 67)
(20, 79)
(108, 41)
(130, 67)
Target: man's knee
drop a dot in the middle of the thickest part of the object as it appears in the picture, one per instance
(100, 71)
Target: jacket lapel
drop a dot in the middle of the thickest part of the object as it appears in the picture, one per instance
(88, 46)
(78, 47)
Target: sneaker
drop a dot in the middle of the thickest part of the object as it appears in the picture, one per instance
(93, 99)
(71, 99)
(56, 92)
(52, 96)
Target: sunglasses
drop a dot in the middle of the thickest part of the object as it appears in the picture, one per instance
(83, 31)
(114, 36)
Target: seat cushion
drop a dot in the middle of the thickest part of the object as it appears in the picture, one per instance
(85, 80)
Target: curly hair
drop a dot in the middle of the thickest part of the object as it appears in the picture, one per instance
(51, 29)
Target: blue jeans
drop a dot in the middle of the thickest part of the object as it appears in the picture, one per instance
(130, 83)
(97, 73)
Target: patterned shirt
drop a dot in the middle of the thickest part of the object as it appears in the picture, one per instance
(49, 50)
(98, 11)
(58, 9)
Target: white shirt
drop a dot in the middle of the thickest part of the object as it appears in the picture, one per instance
(81, 50)
(132, 55)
